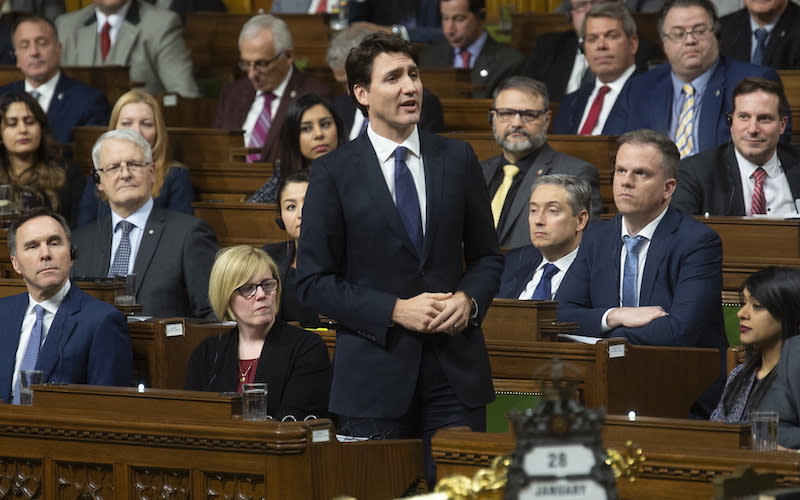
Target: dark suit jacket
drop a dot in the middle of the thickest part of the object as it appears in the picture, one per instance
(783, 396)
(571, 109)
(184, 7)
(552, 59)
(294, 364)
(518, 271)
(356, 259)
(515, 232)
(682, 274)
(7, 55)
(87, 343)
(494, 63)
(783, 45)
(427, 17)
(710, 181)
(74, 104)
(291, 309)
(431, 119)
(237, 97)
(172, 265)
(647, 102)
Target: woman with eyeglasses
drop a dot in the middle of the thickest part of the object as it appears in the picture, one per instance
(245, 287)
(31, 162)
(172, 190)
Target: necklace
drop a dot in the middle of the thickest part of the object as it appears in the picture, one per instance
(243, 374)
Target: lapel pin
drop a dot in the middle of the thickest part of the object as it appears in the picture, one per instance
(717, 93)
(293, 94)
(539, 172)
(150, 231)
(60, 96)
(484, 73)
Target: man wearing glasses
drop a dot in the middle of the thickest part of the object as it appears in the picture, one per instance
(257, 104)
(520, 116)
(170, 253)
(688, 97)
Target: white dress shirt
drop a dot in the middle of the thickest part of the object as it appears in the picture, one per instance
(776, 187)
(563, 266)
(115, 20)
(139, 221)
(45, 90)
(608, 101)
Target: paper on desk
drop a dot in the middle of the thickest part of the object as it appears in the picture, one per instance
(136, 319)
(579, 338)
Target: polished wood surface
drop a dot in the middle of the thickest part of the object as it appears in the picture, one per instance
(117, 443)
(113, 81)
(242, 223)
(463, 114)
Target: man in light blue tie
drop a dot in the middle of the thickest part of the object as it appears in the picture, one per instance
(652, 274)
(558, 214)
(55, 327)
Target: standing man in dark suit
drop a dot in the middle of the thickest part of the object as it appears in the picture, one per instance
(763, 32)
(355, 122)
(689, 97)
(170, 253)
(55, 327)
(558, 59)
(468, 45)
(652, 274)
(559, 212)
(610, 44)
(752, 175)
(67, 102)
(398, 247)
(519, 116)
(258, 103)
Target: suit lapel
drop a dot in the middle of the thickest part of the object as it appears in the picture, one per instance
(662, 121)
(712, 108)
(736, 204)
(289, 95)
(147, 248)
(535, 260)
(518, 210)
(126, 39)
(434, 165)
(791, 169)
(662, 241)
(61, 329)
(13, 314)
(579, 104)
(57, 103)
(88, 40)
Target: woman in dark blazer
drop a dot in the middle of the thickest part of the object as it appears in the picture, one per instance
(245, 287)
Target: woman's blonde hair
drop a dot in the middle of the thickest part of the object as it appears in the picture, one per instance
(233, 267)
(161, 146)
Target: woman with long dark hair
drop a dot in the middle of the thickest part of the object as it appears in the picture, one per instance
(31, 161)
(770, 314)
(312, 128)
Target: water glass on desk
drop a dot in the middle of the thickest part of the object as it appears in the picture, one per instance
(27, 379)
(254, 402)
(764, 429)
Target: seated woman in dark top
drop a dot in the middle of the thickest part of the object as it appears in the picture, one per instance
(769, 316)
(245, 287)
(312, 128)
(172, 190)
(31, 162)
(292, 195)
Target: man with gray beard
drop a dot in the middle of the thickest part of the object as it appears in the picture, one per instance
(520, 116)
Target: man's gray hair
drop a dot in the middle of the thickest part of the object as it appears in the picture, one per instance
(579, 192)
(342, 43)
(281, 36)
(123, 134)
(524, 84)
(612, 10)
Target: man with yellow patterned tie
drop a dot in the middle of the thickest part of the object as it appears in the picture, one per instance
(520, 116)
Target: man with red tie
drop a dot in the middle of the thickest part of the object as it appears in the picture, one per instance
(519, 116)
(610, 43)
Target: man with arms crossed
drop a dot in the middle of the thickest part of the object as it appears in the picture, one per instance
(55, 327)
(398, 247)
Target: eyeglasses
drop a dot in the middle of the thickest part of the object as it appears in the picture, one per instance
(699, 33)
(262, 65)
(248, 290)
(116, 168)
(505, 115)
(582, 6)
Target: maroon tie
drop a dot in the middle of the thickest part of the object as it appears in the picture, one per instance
(594, 111)
(759, 205)
(105, 40)
(322, 7)
(465, 57)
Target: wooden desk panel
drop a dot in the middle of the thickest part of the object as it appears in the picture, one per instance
(747, 237)
(242, 223)
(461, 114)
(112, 81)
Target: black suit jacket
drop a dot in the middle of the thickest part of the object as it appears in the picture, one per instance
(552, 60)
(356, 259)
(570, 111)
(294, 364)
(783, 45)
(710, 182)
(431, 119)
(518, 271)
(172, 265)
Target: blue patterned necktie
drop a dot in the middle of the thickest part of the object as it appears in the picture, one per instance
(31, 355)
(631, 272)
(407, 199)
(123, 255)
(543, 290)
(761, 46)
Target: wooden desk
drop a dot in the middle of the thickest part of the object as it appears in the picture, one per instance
(242, 223)
(683, 456)
(113, 81)
(450, 82)
(462, 114)
(115, 443)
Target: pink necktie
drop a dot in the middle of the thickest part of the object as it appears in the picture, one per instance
(759, 205)
(465, 57)
(259, 135)
(594, 111)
